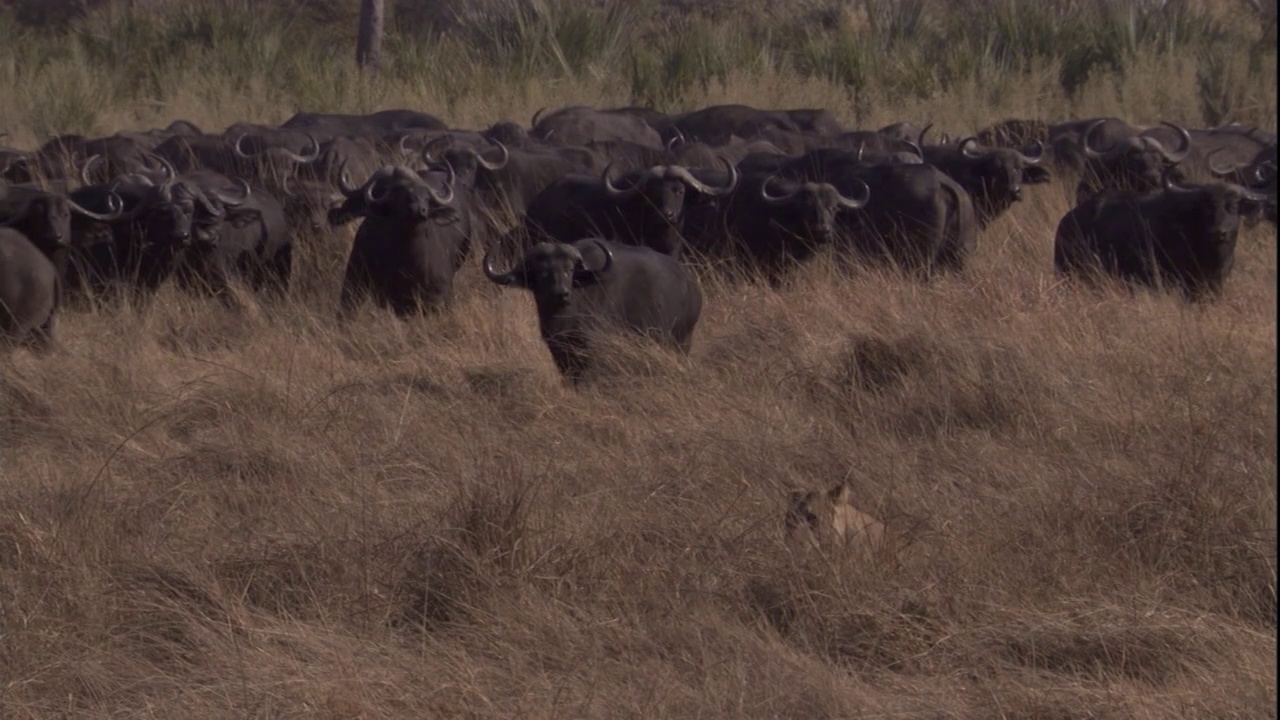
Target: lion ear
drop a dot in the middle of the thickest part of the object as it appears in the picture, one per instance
(841, 495)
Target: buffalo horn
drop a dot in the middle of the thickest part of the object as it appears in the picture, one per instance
(1036, 157)
(774, 199)
(618, 193)
(1216, 171)
(683, 174)
(232, 200)
(113, 201)
(968, 147)
(860, 202)
(494, 165)
(508, 278)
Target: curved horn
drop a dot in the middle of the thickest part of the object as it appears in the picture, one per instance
(1218, 172)
(616, 192)
(608, 258)
(114, 202)
(1167, 182)
(861, 146)
(371, 194)
(533, 123)
(1086, 142)
(312, 144)
(688, 178)
(1173, 156)
(923, 132)
(915, 148)
(1249, 194)
(1037, 157)
(966, 146)
(1264, 172)
(239, 149)
(775, 199)
(443, 140)
(202, 198)
(508, 278)
(232, 200)
(860, 202)
(344, 182)
(86, 170)
(445, 198)
(492, 166)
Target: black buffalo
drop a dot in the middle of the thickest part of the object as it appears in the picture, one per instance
(1138, 162)
(993, 177)
(414, 237)
(165, 222)
(381, 124)
(579, 125)
(1183, 237)
(46, 217)
(644, 207)
(769, 224)
(592, 284)
(921, 219)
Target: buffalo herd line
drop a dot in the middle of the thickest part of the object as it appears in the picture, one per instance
(606, 215)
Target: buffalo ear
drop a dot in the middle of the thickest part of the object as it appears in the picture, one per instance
(1251, 209)
(1035, 175)
(583, 277)
(444, 215)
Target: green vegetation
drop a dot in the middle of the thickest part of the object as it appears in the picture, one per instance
(871, 57)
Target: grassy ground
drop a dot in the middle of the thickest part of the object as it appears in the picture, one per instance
(258, 512)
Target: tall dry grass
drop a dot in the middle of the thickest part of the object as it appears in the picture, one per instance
(260, 512)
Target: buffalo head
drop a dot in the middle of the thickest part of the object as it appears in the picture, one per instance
(1138, 162)
(179, 210)
(1219, 206)
(550, 270)
(45, 217)
(663, 187)
(813, 205)
(396, 192)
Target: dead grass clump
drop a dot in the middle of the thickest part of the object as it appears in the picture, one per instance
(1101, 643)
(163, 615)
(928, 388)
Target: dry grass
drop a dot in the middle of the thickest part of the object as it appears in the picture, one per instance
(259, 512)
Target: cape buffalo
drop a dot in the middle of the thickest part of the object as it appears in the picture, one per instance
(414, 237)
(714, 125)
(993, 177)
(162, 224)
(579, 125)
(769, 223)
(644, 207)
(327, 126)
(921, 219)
(29, 290)
(46, 218)
(246, 236)
(1135, 163)
(1182, 237)
(593, 283)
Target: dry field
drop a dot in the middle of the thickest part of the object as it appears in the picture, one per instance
(259, 512)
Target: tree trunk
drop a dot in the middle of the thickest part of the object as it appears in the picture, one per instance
(369, 43)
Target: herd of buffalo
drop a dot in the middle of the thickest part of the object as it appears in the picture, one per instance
(604, 215)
